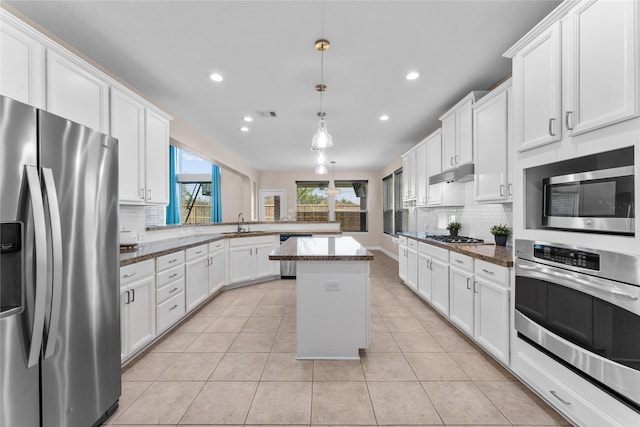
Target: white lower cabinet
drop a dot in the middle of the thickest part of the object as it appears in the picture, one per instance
(249, 258)
(461, 291)
(433, 268)
(402, 258)
(137, 307)
(170, 289)
(216, 266)
(196, 269)
(412, 265)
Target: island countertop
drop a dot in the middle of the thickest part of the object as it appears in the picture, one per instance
(342, 248)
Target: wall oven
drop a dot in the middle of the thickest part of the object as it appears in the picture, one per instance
(582, 308)
(600, 200)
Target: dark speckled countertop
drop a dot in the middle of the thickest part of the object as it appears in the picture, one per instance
(342, 248)
(501, 255)
(158, 248)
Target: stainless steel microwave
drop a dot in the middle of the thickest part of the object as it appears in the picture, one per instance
(599, 201)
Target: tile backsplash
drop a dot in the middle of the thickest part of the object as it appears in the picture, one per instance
(132, 218)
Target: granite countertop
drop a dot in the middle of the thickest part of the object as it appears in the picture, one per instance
(343, 248)
(249, 223)
(500, 255)
(158, 248)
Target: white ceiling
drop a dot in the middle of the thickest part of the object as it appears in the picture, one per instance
(265, 51)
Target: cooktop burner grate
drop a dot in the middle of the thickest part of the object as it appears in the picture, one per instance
(444, 238)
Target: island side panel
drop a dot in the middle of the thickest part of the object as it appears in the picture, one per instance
(333, 312)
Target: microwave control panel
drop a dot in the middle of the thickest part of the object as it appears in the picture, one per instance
(566, 256)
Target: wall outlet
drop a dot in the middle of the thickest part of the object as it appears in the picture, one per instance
(331, 285)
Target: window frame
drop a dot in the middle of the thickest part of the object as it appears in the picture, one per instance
(363, 213)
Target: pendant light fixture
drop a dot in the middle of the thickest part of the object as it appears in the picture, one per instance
(322, 169)
(322, 138)
(332, 190)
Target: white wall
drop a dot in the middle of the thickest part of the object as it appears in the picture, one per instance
(234, 196)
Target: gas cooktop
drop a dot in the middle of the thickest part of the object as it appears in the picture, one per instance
(445, 238)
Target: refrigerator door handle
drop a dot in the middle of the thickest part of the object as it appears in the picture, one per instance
(56, 252)
(40, 248)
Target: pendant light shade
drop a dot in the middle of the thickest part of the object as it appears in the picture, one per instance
(321, 159)
(322, 139)
(322, 169)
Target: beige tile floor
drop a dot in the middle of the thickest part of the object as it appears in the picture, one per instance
(233, 362)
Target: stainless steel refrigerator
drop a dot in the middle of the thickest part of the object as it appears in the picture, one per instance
(59, 264)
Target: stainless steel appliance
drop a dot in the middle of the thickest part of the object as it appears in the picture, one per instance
(601, 201)
(446, 238)
(59, 320)
(582, 307)
(288, 268)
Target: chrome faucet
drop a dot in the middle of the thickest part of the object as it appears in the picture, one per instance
(240, 221)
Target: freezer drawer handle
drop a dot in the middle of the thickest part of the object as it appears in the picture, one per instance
(40, 248)
(56, 252)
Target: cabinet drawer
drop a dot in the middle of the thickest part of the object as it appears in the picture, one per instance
(170, 275)
(495, 273)
(402, 240)
(197, 252)
(216, 246)
(463, 262)
(173, 288)
(562, 396)
(433, 251)
(170, 260)
(412, 243)
(133, 272)
(169, 312)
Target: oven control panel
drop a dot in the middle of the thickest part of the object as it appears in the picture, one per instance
(566, 256)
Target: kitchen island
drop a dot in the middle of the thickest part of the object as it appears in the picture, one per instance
(332, 288)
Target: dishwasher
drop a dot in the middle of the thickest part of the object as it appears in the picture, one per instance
(288, 268)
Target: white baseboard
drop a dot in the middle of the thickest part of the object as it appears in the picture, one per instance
(381, 249)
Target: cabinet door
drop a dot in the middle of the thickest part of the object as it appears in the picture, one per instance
(491, 323)
(536, 77)
(491, 138)
(424, 277)
(22, 70)
(464, 135)
(127, 124)
(448, 142)
(197, 285)
(157, 158)
(216, 271)
(412, 269)
(124, 324)
(461, 299)
(141, 327)
(75, 93)
(434, 166)
(402, 263)
(240, 264)
(262, 266)
(602, 81)
(440, 286)
(421, 175)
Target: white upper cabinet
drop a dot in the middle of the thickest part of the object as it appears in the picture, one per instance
(457, 132)
(157, 158)
(409, 176)
(22, 64)
(75, 93)
(421, 175)
(491, 144)
(576, 72)
(441, 194)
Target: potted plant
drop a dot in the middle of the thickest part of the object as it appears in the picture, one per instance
(453, 228)
(500, 233)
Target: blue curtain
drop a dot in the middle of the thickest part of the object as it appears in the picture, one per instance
(173, 209)
(216, 198)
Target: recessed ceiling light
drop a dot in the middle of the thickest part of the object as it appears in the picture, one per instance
(413, 75)
(216, 77)
(247, 118)
(384, 117)
(244, 129)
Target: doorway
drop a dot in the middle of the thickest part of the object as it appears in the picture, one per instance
(272, 205)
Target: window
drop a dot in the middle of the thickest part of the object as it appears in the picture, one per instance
(351, 205)
(311, 202)
(401, 216)
(387, 204)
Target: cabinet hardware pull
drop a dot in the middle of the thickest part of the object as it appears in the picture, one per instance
(173, 275)
(451, 160)
(456, 159)
(475, 287)
(141, 193)
(128, 297)
(129, 275)
(511, 189)
(171, 261)
(459, 262)
(133, 295)
(488, 271)
(148, 194)
(566, 119)
(468, 284)
(250, 251)
(553, 392)
(174, 307)
(551, 120)
(502, 190)
(173, 290)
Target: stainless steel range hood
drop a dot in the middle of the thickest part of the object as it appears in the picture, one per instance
(462, 173)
